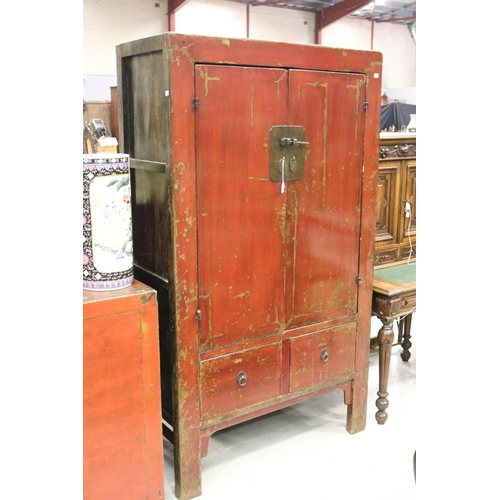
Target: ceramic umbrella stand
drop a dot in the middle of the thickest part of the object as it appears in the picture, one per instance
(107, 222)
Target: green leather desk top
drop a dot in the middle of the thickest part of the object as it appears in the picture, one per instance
(395, 280)
(404, 273)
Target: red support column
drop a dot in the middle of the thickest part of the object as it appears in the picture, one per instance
(373, 24)
(173, 7)
(317, 28)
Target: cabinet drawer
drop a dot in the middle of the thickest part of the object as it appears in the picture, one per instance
(230, 383)
(406, 250)
(385, 256)
(408, 302)
(322, 356)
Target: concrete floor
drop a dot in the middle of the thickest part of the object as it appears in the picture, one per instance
(304, 451)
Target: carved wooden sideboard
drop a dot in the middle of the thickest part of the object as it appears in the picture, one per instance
(396, 219)
(253, 175)
(394, 284)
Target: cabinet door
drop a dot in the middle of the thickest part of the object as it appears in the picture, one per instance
(388, 203)
(268, 260)
(324, 208)
(409, 193)
(241, 214)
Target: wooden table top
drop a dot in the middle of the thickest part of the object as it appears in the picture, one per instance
(394, 280)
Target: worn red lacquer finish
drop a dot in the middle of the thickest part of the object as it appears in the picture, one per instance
(264, 284)
(122, 445)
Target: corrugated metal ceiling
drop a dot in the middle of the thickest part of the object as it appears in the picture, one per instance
(394, 11)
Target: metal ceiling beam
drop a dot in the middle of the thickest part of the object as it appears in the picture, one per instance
(173, 6)
(395, 19)
(273, 2)
(331, 14)
(302, 5)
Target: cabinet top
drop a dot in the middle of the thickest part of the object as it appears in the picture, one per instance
(136, 288)
(218, 50)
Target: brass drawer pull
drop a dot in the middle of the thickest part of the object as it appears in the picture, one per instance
(324, 355)
(241, 378)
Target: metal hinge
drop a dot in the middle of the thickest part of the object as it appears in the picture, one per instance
(365, 105)
(197, 316)
(359, 280)
(196, 103)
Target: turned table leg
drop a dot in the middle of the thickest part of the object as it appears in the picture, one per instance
(401, 323)
(385, 339)
(406, 344)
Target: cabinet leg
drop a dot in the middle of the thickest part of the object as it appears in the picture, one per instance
(406, 344)
(356, 410)
(187, 465)
(385, 339)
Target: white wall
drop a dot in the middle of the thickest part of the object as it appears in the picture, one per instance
(398, 48)
(107, 23)
(281, 25)
(212, 18)
(407, 95)
(225, 18)
(348, 33)
(394, 41)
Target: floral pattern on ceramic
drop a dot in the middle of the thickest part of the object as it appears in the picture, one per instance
(107, 222)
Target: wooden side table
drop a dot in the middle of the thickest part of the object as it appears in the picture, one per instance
(394, 296)
(122, 428)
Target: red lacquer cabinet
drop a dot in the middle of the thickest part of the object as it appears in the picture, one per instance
(122, 443)
(253, 173)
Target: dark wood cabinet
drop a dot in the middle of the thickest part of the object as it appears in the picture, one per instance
(253, 177)
(396, 219)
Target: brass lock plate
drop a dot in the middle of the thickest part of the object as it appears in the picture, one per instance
(288, 147)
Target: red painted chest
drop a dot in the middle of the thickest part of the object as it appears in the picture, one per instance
(122, 445)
